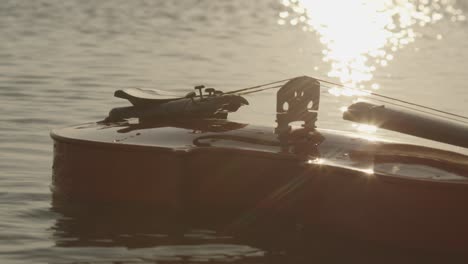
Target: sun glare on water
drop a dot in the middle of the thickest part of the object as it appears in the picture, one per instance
(359, 36)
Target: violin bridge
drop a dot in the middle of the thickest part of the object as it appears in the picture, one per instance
(297, 100)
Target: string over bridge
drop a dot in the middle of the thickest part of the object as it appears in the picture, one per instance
(297, 100)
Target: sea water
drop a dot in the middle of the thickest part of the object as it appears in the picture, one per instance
(61, 61)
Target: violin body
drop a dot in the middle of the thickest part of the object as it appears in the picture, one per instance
(183, 155)
(327, 181)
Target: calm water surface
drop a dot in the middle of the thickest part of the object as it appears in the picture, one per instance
(60, 62)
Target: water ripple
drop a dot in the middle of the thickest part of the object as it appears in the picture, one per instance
(60, 62)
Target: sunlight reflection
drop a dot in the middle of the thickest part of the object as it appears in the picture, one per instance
(315, 161)
(365, 128)
(345, 91)
(343, 109)
(369, 171)
(361, 35)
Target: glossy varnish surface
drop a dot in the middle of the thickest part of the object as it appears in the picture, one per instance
(400, 194)
(326, 147)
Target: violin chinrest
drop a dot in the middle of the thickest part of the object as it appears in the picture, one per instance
(144, 97)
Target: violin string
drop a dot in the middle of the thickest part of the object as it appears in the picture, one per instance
(421, 111)
(411, 108)
(250, 90)
(395, 99)
(257, 86)
(261, 89)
